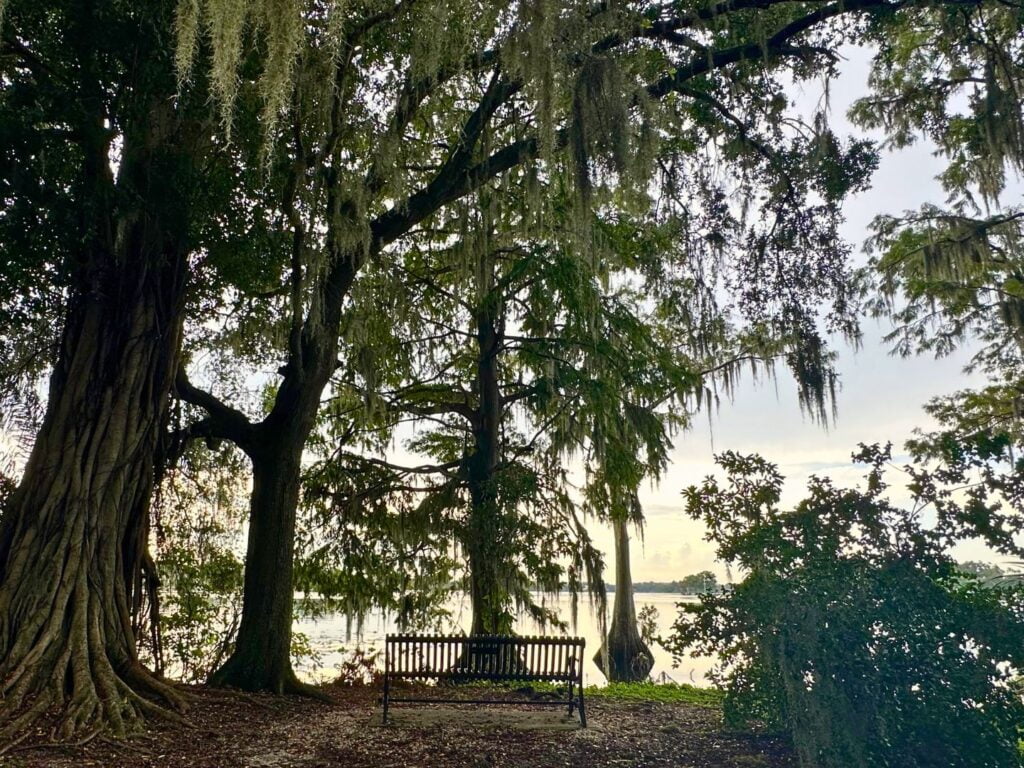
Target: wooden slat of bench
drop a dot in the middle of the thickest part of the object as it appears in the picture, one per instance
(426, 674)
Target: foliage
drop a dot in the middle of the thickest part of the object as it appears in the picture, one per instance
(672, 587)
(359, 667)
(984, 572)
(953, 77)
(202, 599)
(947, 280)
(697, 583)
(954, 275)
(575, 371)
(600, 355)
(647, 623)
(854, 630)
(196, 516)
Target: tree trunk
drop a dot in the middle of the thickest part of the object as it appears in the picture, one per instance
(261, 660)
(489, 597)
(72, 534)
(69, 537)
(623, 656)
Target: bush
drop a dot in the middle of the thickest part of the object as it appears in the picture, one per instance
(854, 630)
(201, 608)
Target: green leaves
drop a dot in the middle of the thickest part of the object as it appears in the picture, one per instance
(852, 628)
(949, 279)
(952, 76)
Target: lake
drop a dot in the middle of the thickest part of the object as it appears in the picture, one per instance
(333, 635)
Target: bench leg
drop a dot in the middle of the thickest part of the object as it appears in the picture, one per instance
(384, 719)
(583, 712)
(572, 701)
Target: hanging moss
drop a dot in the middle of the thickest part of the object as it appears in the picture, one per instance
(226, 21)
(283, 27)
(600, 128)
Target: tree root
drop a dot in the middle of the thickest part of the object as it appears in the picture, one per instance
(88, 697)
(236, 693)
(296, 687)
(12, 746)
(143, 681)
(229, 677)
(13, 743)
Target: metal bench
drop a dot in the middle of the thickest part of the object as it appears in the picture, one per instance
(485, 658)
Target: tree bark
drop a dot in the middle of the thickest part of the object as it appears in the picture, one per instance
(261, 657)
(69, 544)
(624, 656)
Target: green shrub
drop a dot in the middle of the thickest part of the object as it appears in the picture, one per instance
(854, 631)
(202, 590)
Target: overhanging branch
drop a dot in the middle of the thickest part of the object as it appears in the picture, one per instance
(223, 420)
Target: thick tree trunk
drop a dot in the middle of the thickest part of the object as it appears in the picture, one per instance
(72, 534)
(628, 657)
(261, 660)
(489, 598)
(69, 536)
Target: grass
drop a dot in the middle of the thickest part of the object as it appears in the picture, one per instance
(667, 693)
(670, 693)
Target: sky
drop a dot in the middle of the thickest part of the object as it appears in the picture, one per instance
(880, 399)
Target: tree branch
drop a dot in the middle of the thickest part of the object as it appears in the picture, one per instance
(224, 421)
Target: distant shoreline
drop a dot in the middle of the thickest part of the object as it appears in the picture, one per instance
(656, 587)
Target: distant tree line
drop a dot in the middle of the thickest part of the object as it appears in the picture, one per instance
(694, 584)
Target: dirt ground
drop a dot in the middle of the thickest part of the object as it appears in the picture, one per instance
(230, 730)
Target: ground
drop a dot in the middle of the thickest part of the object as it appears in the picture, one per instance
(232, 730)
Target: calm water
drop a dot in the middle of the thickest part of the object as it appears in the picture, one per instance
(334, 635)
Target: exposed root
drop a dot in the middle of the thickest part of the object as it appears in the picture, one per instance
(15, 729)
(296, 687)
(234, 675)
(144, 681)
(235, 693)
(10, 746)
(89, 698)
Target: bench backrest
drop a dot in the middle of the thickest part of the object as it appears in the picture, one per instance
(484, 657)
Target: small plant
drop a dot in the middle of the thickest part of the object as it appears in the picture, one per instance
(669, 693)
(647, 623)
(304, 653)
(359, 667)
